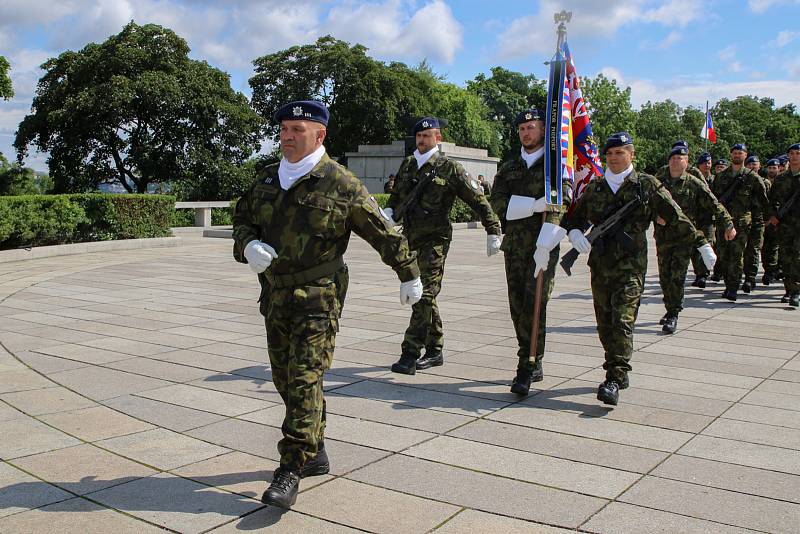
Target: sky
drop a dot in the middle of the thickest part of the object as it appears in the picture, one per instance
(687, 50)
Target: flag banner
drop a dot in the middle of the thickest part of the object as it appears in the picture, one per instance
(557, 154)
(708, 129)
(587, 157)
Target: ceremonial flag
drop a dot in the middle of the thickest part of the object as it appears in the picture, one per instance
(571, 151)
(708, 128)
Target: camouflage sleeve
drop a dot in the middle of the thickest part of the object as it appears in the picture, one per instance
(578, 218)
(760, 200)
(244, 228)
(661, 173)
(710, 204)
(366, 220)
(500, 195)
(663, 205)
(466, 189)
(777, 196)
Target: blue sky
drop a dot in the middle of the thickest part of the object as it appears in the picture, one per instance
(686, 50)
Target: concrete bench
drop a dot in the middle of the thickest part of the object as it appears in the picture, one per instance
(202, 210)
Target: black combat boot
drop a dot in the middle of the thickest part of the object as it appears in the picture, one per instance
(696, 278)
(729, 294)
(406, 365)
(701, 282)
(318, 465)
(747, 287)
(716, 277)
(283, 489)
(521, 384)
(608, 392)
(785, 298)
(670, 324)
(432, 358)
(767, 279)
(794, 300)
(663, 319)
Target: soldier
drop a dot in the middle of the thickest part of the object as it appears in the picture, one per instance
(721, 166)
(704, 166)
(756, 238)
(784, 161)
(529, 245)
(664, 170)
(742, 193)
(618, 262)
(425, 189)
(292, 227)
(696, 201)
(769, 252)
(784, 201)
(703, 222)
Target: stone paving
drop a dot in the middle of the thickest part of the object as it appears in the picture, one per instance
(135, 396)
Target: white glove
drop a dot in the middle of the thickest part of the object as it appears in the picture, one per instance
(389, 215)
(411, 291)
(493, 244)
(259, 255)
(707, 253)
(549, 237)
(520, 207)
(579, 241)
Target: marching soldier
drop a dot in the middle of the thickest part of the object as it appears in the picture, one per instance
(755, 240)
(704, 166)
(742, 193)
(292, 227)
(618, 262)
(696, 201)
(426, 186)
(721, 166)
(529, 244)
(769, 252)
(705, 223)
(784, 204)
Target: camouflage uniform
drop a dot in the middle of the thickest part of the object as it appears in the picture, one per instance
(697, 203)
(617, 272)
(755, 240)
(782, 190)
(429, 231)
(769, 250)
(303, 290)
(519, 243)
(750, 197)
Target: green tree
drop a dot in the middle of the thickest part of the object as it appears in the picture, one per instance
(506, 93)
(136, 110)
(16, 179)
(6, 90)
(466, 116)
(658, 126)
(609, 107)
(767, 131)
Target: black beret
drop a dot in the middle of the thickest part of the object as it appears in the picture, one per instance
(679, 150)
(723, 161)
(426, 123)
(617, 139)
(529, 115)
(783, 159)
(682, 143)
(773, 161)
(303, 110)
(795, 146)
(752, 159)
(739, 146)
(704, 157)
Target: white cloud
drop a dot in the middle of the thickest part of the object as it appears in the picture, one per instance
(674, 13)
(760, 6)
(671, 39)
(728, 53)
(784, 38)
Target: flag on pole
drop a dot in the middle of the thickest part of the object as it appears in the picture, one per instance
(708, 129)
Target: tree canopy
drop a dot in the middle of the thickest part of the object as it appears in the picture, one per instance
(137, 111)
(6, 90)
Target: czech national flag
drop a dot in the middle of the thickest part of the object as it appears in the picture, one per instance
(708, 129)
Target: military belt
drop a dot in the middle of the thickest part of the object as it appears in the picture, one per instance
(281, 281)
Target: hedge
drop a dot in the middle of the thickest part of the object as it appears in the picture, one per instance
(39, 220)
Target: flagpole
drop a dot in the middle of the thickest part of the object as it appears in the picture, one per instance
(561, 18)
(706, 149)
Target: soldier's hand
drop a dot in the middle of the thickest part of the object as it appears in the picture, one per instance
(259, 255)
(411, 291)
(660, 221)
(579, 241)
(707, 253)
(541, 259)
(773, 221)
(493, 244)
(730, 234)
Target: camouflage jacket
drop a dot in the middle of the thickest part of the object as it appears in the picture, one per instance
(310, 224)
(750, 194)
(599, 201)
(691, 170)
(431, 215)
(781, 191)
(515, 178)
(697, 202)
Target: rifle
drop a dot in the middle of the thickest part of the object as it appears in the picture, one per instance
(728, 194)
(410, 206)
(789, 204)
(610, 227)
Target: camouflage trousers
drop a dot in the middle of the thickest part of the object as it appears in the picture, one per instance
(300, 347)
(731, 257)
(769, 251)
(425, 327)
(616, 298)
(521, 297)
(698, 265)
(673, 262)
(790, 259)
(755, 240)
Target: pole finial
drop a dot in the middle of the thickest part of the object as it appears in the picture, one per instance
(562, 17)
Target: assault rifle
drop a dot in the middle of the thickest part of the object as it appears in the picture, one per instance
(410, 206)
(611, 227)
(734, 187)
(788, 205)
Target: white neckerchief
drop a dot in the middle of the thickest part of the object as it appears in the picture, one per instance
(422, 159)
(290, 172)
(533, 157)
(615, 179)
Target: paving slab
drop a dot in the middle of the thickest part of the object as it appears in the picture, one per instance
(20, 491)
(26, 436)
(622, 518)
(204, 399)
(162, 414)
(162, 448)
(743, 453)
(95, 423)
(47, 400)
(474, 522)
(277, 520)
